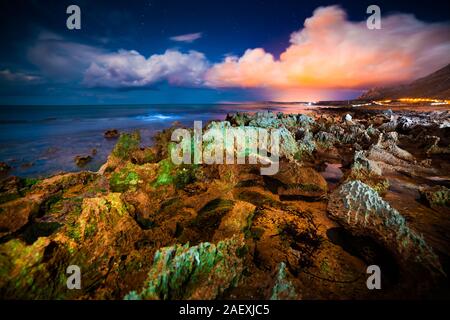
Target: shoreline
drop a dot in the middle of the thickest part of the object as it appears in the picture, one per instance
(153, 217)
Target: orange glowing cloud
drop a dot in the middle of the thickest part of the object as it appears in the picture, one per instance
(332, 52)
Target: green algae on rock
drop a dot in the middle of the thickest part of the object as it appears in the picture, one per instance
(127, 143)
(124, 180)
(201, 272)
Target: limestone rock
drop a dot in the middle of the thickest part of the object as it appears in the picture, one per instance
(200, 272)
(362, 211)
(296, 180)
(437, 196)
(283, 288)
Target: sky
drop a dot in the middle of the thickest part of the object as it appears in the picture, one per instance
(200, 51)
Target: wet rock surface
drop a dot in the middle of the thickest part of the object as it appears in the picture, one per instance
(354, 188)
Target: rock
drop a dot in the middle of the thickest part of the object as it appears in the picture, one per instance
(26, 165)
(94, 151)
(437, 196)
(304, 182)
(389, 126)
(235, 222)
(305, 121)
(111, 134)
(434, 147)
(368, 172)
(266, 119)
(362, 163)
(22, 270)
(127, 143)
(9, 189)
(16, 214)
(4, 168)
(306, 145)
(405, 124)
(283, 288)
(360, 210)
(123, 180)
(102, 218)
(325, 139)
(387, 151)
(200, 272)
(81, 161)
(388, 113)
(348, 118)
(288, 145)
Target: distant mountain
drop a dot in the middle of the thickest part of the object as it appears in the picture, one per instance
(435, 85)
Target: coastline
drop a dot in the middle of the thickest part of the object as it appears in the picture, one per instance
(153, 217)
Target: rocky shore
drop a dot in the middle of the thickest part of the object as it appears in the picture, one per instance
(355, 188)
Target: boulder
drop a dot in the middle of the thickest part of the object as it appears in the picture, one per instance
(437, 196)
(360, 210)
(368, 172)
(295, 180)
(200, 272)
(4, 168)
(16, 214)
(236, 221)
(111, 134)
(81, 161)
(283, 288)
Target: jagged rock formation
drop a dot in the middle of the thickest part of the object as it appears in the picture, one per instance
(437, 196)
(362, 211)
(200, 272)
(283, 288)
(245, 236)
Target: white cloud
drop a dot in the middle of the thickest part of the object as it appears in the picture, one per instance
(190, 37)
(131, 69)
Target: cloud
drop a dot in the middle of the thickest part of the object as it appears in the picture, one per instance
(60, 59)
(65, 61)
(9, 76)
(333, 52)
(131, 69)
(190, 37)
(329, 52)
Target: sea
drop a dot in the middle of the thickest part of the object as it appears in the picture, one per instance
(40, 141)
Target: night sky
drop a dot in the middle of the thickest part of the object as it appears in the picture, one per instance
(196, 51)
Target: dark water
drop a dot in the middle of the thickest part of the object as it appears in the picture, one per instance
(39, 141)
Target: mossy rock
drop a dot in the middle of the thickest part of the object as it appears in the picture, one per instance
(177, 175)
(124, 180)
(127, 143)
(202, 272)
(437, 196)
(21, 266)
